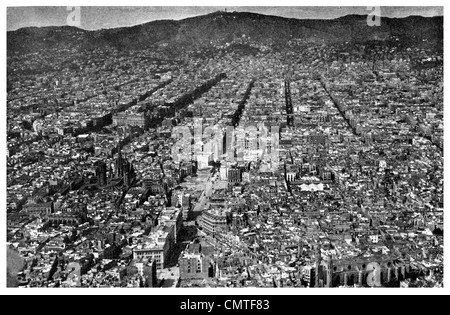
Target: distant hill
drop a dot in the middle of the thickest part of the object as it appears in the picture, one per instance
(14, 263)
(224, 27)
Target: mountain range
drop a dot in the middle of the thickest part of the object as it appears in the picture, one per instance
(225, 27)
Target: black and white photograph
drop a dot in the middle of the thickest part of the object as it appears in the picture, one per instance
(221, 147)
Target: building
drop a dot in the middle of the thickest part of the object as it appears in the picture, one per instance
(204, 159)
(223, 173)
(65, 218)
(131, 119)
(147, 270)
(172, 221)
(234, 176)
(127, 170)
(158, 245)
(194, 264)
(101, 174)
(119, 165)
(155, 249)
(214, 220)
(34, 209)
(183, 201)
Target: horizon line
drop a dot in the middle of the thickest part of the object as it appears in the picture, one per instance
(210, 13)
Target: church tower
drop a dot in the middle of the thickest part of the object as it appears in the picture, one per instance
(126, 172)
(101, 174)
(119, 165)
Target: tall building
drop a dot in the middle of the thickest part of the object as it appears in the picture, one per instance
(101, 174)
(126, 171)
(223, 172)
(119, 164)
(203, 160)
(318, 261)
(34, 209)
(214, 220)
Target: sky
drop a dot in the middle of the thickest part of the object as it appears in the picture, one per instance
(93, 18)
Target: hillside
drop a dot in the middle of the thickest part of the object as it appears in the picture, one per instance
(224, 27)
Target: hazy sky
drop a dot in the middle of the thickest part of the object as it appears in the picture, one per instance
(109, 17)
